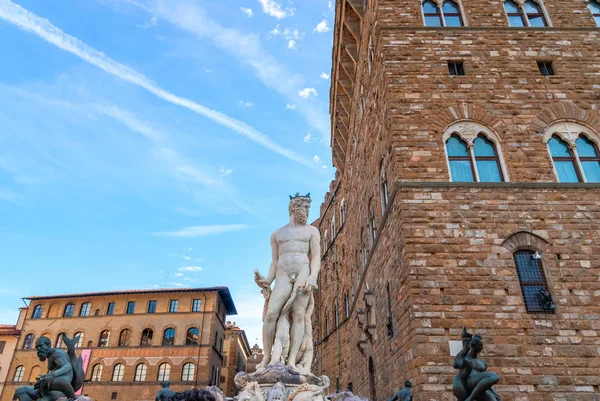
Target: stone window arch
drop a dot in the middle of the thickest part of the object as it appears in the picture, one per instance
(104, 338)
(342, 212)
(473, 153)
(28, 342)
(19, 373)
(192, 336)
(125, 338)
(574, 150)
(79, 334)
(326, 323)
(69, 310)
(118, 372)
(325, 240)
(140, 372)
(527, 250)
(333, 228)
(85, 309)
(371, 56)
(169, 336)
(96, 372)
(383, 187)
(187, 372)
(37, 312)
(164, 371)
(442, 13)
(59, 340)
(526, 13)
(146, 339)
(594, 7)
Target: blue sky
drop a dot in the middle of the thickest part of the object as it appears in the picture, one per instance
(154, 143)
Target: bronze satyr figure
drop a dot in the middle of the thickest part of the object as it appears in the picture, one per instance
(473, 382)
(65, 372)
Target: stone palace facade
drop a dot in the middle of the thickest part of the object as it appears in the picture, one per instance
(466, 140)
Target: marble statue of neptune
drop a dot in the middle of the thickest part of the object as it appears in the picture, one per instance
(296, 261)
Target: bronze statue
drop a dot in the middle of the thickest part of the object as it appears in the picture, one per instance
(165, 393)
(404, 394)
(473, 382)
(65, 372)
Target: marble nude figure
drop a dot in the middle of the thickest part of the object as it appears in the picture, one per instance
(295, 265)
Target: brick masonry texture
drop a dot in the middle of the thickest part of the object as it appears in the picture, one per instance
(444, 249)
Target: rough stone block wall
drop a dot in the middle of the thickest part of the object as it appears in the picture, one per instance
(440, 246)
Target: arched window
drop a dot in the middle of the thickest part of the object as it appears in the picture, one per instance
(326, 323)
(371, 55)
(530, 14)
(336, 316)
(37, 312)
(535, 14)
(96, 372)
(69, 310)
(452, 16)
(383, 188)
(86, 307)
(118, 372)
(372, 229)
(187, 373)
(574, 151)
(332, 226)
(564, 160)
(325, 240)
(342, 212)
(169, 337)
(589, 157)
(124, 338)
(594, 7)
(146, 337)
(192, 336)
(481, 162)
(35, 372)
(432, 14)
(533, 282)
(80, 341)
(104, 337)
(164, 371)
(346, 306)
(59, 341)
(487, 160)
(28, 342)
(140, 372)
(461, 166)
(19, 373)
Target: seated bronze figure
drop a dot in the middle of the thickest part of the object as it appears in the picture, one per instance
(473, 382)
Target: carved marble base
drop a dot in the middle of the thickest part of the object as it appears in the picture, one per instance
(281, 383)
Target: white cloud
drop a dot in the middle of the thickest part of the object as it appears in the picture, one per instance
(185, 257)
(224, 172)
(307, 92)
(247, 49)
(290, 106)
(189, 279)
(151, 23)
(322, 27)
(330, 5)
(308, 137)
(28, 21)
(178, 274)
(324, 75)
(190, 269)
(245, 103)
(317, 159)
(292, 44)
(202, 231)
(274, 9)
(248, 11)
(180, 285)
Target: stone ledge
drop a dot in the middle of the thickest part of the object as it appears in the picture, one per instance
(486, 185)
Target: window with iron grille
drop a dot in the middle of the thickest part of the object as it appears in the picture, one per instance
(533, 282)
